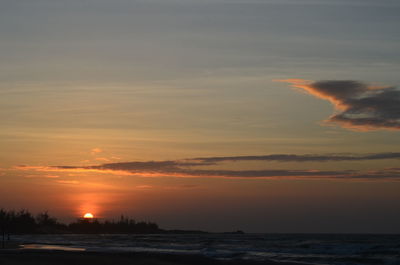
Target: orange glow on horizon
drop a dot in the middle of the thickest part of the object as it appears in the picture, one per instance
(88, 216)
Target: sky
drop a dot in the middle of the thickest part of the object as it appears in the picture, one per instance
(219, 115)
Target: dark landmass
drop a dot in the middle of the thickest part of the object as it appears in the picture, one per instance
(238, 232)
(175, 231)
(36, 257)
(23, 222)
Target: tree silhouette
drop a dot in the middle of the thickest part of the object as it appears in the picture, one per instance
(23, 222)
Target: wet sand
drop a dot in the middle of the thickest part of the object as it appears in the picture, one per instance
(45, 257)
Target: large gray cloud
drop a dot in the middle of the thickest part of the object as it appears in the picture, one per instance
(360, 106)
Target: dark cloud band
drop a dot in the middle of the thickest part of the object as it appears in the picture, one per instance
(194, 167)
(301, 158)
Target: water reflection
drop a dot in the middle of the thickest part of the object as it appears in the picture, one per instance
(51, 247)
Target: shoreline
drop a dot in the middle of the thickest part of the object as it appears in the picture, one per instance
(21, 256)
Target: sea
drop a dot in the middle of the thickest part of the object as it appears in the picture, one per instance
(319, 249)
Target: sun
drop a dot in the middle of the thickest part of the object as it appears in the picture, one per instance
(88, 216)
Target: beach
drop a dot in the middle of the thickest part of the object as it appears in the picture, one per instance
(218, 249)
(39, 257)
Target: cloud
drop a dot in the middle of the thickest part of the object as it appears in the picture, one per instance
(68, 182)
(190, 167)
(144, 187)
(95, 151)
(42, 176)
(251, 174)
(300, 158)
(359, 106)
(104, 159)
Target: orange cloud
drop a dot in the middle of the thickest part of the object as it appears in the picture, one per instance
(42, 176)
(96, 151)
(70, 182)
(306, 86)
(102, 159)
(144, 187)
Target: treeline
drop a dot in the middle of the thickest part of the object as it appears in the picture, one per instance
(122, 226)
(23, 222)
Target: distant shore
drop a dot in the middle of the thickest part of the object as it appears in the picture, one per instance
(44, 257)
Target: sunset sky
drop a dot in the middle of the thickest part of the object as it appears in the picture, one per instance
(259, 115)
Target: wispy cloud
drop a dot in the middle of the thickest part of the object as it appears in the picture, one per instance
(359, 106)
(68, 182)
(300, 158)
(95, 151)
(190, 167)
(145, 187)
(104, 159)
(42, 176)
